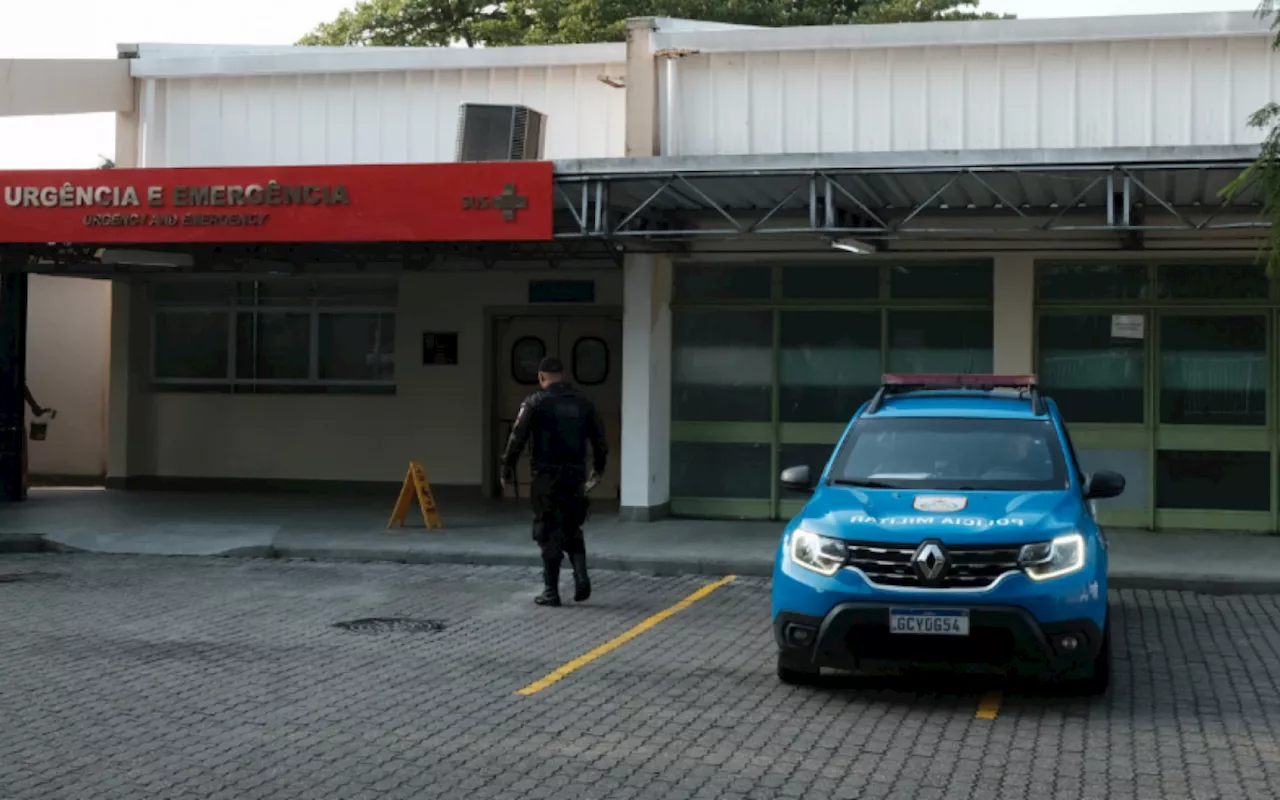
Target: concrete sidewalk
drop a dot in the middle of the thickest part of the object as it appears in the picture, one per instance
(354, 529)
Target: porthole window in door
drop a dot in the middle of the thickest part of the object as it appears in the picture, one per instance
(590, 361)
(526, 354)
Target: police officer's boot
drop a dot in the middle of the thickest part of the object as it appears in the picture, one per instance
(581, 581)
(551, 582)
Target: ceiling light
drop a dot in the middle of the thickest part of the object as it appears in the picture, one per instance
(145, 258)
(853, 246)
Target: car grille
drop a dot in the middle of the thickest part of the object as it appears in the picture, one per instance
(971, 567)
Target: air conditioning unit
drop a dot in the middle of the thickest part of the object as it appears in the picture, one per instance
(500, 133)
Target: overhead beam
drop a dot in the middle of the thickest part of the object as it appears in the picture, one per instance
(36, 87)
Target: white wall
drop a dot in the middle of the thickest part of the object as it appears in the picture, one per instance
(68, 330)
(438, 415)
(646, 386)
(390, 117)
(1178, 91)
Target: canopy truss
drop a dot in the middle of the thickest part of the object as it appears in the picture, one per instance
(956, 200)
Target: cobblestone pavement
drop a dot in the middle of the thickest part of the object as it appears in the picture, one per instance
(220, 679)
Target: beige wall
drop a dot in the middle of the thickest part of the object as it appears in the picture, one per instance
(1013, 314)
(68, 327)
(437, 416)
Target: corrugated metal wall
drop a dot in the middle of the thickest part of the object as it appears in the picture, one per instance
(367, 118)
(1160, 92)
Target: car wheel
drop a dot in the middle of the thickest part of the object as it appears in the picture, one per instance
(789, 672)
(1097, 679)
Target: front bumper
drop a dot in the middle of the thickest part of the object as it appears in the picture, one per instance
(855, 633)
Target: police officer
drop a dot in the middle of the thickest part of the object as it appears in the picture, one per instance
(560, 421)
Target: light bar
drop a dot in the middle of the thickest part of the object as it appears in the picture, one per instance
(944, 379)
(891, 383)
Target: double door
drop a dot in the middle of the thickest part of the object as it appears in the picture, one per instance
(591, 349)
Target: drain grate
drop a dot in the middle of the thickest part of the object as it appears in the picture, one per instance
(391, 625)
(30, 577)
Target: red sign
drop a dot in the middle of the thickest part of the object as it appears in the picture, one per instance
(489, 201)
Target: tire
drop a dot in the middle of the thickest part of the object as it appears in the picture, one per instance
(797, 676)
(1097, 677)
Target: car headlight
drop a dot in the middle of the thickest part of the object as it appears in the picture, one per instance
(817, 553)
(1062, 556)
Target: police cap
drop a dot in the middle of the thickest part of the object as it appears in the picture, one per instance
(551, 366)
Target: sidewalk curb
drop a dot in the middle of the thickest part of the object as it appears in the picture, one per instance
(26, 544)
(666, 567)
(23, 544)
(1220, 585)
(659, 567)
(31, 544)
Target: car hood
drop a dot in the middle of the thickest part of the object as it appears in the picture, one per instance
(908, 517)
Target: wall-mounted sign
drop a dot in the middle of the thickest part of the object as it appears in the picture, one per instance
(562, 291)
(1128, 326)
(440, 348)
(481, 201)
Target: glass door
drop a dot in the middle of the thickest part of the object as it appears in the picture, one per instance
(1165, 372)
(1213, 454)
(1094, 365)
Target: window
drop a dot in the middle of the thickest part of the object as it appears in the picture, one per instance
(813, 456)
(831, 282)
(1093, 365)
(1245, 281)
(721, 470)
(191, 345)
(273, 346)
(357, 347)
(1228, 481)
(722, 366)
(769, 362)
(1092, 281)
(949, 454)
(941, 282)
(287, 335)
(526, 354)
(701, 284)
(940, 341)
(590, 361)
(829, 364)
(1213, 370)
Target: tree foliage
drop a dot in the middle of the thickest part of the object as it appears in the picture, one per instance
(1265, 172)
(510, 22)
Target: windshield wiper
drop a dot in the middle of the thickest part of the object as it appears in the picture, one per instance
(863, 484)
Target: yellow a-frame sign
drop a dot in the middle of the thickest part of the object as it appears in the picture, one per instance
(415, 485)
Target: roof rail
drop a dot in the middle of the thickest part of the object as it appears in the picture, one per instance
(898, 383)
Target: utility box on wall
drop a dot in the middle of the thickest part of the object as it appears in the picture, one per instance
(500, 133)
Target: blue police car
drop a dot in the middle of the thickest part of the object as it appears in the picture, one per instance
(951, 525)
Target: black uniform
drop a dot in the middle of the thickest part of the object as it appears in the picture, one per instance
(558, 423)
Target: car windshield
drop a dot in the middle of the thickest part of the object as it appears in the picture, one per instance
(952, 454)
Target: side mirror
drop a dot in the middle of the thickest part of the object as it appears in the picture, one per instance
(1104, 484)
(797, 479)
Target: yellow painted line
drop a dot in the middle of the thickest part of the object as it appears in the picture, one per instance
(613, 644)
(990, 705)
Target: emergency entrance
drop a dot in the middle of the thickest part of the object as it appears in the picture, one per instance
(322, 324)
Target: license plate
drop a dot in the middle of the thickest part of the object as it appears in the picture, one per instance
(928, 622)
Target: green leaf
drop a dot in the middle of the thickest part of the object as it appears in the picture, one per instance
(1264, 173)
(417, 23)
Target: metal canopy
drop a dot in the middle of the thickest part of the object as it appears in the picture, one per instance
(909, 195)
(319, 258)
